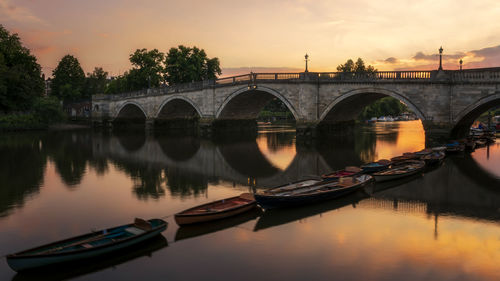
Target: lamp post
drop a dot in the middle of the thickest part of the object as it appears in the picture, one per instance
(440, 58)
(461, 62)
(307, 59)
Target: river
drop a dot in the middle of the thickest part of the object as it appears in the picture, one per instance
(444, 225)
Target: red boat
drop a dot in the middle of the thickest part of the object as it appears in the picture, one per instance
(217, 210)
(347, 172)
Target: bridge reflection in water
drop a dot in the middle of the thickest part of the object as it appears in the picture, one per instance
(433, 221)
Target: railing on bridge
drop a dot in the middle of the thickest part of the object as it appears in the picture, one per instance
(456, 76)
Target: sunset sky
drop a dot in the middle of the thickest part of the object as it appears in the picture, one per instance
(262, 36)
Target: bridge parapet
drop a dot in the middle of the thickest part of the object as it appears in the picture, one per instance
(484, 75)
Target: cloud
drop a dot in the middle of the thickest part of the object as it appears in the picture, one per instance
(487, 52)
(486, 57)
(233, 71)
(18, 14)
(391, 60)
(421, 56)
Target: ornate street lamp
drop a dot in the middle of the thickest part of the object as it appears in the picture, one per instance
(440, 58)
(461, 62)
(307, 59)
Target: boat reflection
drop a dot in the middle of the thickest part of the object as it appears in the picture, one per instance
(381, 186)
(276, 217)
(196, 230)
(73, 270)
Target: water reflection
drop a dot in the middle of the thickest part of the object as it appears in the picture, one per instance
(422, 226)
(20, 178)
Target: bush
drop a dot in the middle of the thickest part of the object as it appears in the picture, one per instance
(48, 110)
(45, 111)
(20, 122)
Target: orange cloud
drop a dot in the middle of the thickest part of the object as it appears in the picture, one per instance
(15, 13)
(486, 57)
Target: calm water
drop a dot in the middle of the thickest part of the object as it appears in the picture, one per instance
(442, 226)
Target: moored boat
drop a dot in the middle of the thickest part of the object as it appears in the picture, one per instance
(470, 144)
(455, 147)
(424, 152)
(87, 246)
(376, 166)
(433, 158)
(403, 169)
(349, 171)
(216, 210)
(318, 192)
(405, 157)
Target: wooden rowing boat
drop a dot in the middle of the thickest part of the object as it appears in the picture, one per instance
(216, 210)
(376, 166)
(433, 158)
(323, 190)
(349, 171)
(87, 246)
(403, 169)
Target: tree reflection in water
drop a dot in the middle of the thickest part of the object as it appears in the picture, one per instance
(22, 167)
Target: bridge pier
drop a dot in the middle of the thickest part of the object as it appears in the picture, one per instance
(436, 132)
(150, 124)
(306, 130)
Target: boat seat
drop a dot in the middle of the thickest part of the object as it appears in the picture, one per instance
(134, 230)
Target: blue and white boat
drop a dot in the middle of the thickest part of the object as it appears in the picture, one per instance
(87, 246)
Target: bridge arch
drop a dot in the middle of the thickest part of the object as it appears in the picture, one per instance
(247, 102)
(464, 120)
(131, 111)
(347, 106)
(177, 106)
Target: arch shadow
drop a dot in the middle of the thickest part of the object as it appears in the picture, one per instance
(245, 157)
(246, 103)
(466, 117)
(130, 113)
(178, 107)
(347, 106)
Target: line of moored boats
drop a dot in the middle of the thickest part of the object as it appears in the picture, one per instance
(329, 186)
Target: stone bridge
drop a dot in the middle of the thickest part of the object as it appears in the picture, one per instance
(447, 102)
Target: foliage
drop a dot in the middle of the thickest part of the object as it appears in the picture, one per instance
(186, 64)
(48, 110)
(358, 67)
(20, 122)
(118, 85)
(148, 69)
(69, 79)
(20, 74)
(95, 83)
(383, 107)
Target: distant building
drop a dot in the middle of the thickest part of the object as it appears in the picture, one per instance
(48, 86)
(78, 110)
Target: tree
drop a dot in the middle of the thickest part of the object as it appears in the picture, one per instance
(95, 83)
(186, 64)
(148, 69)
(358, 67)
(69, 79)
(20, 74)
(117, 85)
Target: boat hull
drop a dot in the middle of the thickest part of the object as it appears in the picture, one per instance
(192, 219)
(382, 178)
(24, 263)
(271, 202)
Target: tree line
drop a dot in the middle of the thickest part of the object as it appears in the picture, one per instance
(150, 68)
(23, 103)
